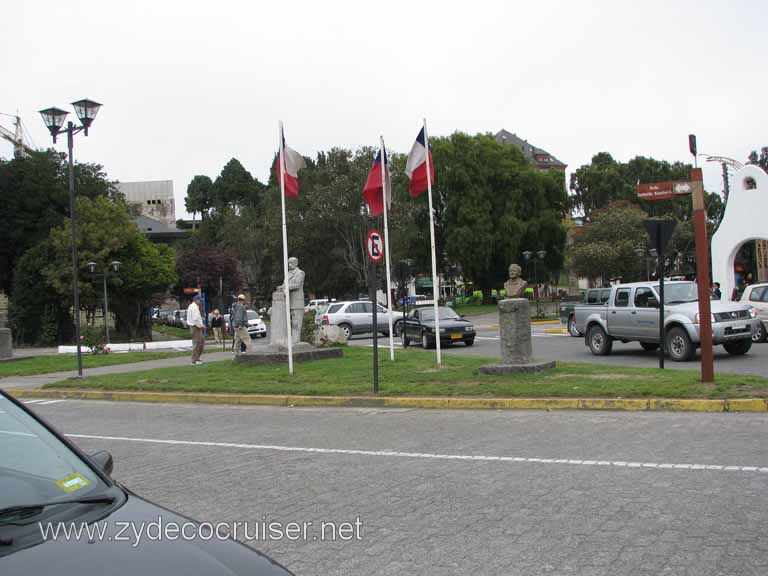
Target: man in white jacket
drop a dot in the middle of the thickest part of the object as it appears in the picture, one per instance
(195, 323)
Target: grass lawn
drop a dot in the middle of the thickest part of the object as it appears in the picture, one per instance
(65, 362)
(414, 374)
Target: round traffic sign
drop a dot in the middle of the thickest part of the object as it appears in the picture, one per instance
(375, 246)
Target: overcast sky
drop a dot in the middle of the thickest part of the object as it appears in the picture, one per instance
(187, 85)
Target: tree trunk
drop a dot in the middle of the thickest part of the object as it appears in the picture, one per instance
(487, 295)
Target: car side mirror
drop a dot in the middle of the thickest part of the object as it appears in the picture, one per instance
(103, 460)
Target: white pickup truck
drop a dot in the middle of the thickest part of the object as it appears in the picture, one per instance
(632, 315)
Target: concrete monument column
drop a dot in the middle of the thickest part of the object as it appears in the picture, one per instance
(6, 340)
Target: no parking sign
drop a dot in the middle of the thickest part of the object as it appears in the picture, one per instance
(375, 246)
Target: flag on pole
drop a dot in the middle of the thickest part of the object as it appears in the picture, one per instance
(293, 163)
(416, 166)
(374, 190)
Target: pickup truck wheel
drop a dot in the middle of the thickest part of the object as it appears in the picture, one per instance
(398, 327)
(739, 347)
(758, 335)
(679, 346)
(572, 327)
(649, 346)
(425, 340)
(600, 344)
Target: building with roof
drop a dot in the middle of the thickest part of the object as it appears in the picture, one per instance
(153, 199)
(540, 158)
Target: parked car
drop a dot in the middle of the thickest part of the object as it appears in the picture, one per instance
(756, 295)
(590, 297)
(256, 326)
(356, 317)
(163, 316)
(315, 304)
(179, 319)
(420, 326)
(632, 315)
(46, 480)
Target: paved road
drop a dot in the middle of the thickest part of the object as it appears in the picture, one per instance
(562, 347)
(456, 492)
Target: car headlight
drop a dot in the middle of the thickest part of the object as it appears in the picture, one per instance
(468, 329)
(752, 313)
(697, 318)
(442, 330)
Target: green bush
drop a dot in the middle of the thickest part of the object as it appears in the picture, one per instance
(308, 328)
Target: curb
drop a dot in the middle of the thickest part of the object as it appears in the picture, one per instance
(544, 322)
(555, 331)
(618, 404)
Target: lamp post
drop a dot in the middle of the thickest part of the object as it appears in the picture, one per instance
(115, 265)
(405, 274)
(540, 255)
(53, 118)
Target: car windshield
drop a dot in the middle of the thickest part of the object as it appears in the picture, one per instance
(445, 313)
(679, 292)
(36, 467)
(252, 315)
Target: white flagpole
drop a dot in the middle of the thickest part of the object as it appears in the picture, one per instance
(386, 248)
(285, 255)
(435, 289)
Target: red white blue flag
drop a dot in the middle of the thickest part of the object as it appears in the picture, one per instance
(374, 190)
(416, 166)
(293, 163)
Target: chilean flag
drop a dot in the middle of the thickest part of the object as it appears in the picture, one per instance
(293, 163)
(416, 167)
(373, 191)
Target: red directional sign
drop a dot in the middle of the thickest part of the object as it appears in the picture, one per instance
(375, 246)
(664, 190)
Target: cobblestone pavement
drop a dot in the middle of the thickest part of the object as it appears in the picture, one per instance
(581, 500)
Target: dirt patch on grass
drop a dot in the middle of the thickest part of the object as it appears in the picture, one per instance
(591, 377)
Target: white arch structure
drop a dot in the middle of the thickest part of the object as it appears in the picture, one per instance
(745, 219)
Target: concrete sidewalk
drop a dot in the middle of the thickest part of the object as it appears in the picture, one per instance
(41, 379)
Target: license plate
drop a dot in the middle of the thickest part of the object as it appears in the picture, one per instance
(738, 327)
(455, 336)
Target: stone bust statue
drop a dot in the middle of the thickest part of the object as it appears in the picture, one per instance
(296, 297)
(515, 286)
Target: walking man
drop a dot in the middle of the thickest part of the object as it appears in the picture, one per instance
(195, 323)
(239, 321)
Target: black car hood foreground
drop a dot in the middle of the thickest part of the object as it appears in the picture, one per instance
(117, 558)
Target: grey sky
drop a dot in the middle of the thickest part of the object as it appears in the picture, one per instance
(187, 85)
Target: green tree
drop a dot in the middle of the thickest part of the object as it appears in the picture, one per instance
(35, 198)
(495, 206)
(199, 196)
(235, 187)
(761, 160)
(106, 232)
(606, 248)
(209, 267)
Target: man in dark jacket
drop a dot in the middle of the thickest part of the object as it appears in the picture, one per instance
(239, 320)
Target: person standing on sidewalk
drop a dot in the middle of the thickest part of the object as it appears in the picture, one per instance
(195, 323)
(217, 322)
(239, 320)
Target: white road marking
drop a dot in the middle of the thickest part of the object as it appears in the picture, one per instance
(34, 401)
(51, 402)
(426, 456)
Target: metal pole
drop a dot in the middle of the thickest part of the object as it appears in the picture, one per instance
(435, 290)
(106, 308)
(286, 290)
(660, 274)
(372, 286)
(536, 288)
(386, 254)
(702, 276)
(73, 218)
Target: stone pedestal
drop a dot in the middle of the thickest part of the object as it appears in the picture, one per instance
(516, 346)
(278, 332)
(277, 350)
(6, 343)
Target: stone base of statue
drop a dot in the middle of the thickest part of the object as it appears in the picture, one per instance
(516, 346)
(302, 352)
(6, 343)
(277, 350)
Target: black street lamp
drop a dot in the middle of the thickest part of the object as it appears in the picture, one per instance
(115, 265)
(86, 111)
